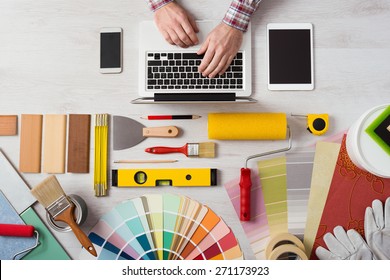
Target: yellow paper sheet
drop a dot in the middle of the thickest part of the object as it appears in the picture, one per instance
(324, 164)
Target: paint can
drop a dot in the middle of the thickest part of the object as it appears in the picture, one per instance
(363, 150)
(81, 213)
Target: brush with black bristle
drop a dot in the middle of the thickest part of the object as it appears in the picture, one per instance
(202, 150)
(51, 195)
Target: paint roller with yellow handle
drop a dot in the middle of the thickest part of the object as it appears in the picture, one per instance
(249, 126)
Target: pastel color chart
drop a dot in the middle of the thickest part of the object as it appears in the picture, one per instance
(171, 205)
(299, 167)
(257, 229)
(278, 200)
(273, 177)
(162, 227)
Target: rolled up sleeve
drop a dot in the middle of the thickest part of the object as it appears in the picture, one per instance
(157, 4)
(240, 13)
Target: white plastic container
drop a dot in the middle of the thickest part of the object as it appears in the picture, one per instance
(363, 150)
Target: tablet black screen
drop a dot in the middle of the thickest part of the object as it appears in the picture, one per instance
(290, 56)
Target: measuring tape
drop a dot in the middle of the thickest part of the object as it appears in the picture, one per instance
(317, 124)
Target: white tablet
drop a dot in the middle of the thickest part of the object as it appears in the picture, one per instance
(290, 56)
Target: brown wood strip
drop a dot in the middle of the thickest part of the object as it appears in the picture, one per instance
(79, 143)
(8, 125)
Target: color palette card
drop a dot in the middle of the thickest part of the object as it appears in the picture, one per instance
(286, 184)
(257, 229)
(279, 197)
(162, 227)
(325, 159)
(299, 167)
(273, 178)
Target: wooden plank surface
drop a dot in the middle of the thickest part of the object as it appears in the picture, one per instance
(30, 143)
(54, 145)
(79, 143)
(8, 125)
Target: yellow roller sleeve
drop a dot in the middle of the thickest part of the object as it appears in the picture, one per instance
(247, 126)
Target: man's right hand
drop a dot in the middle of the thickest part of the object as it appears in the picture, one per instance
(176, 25)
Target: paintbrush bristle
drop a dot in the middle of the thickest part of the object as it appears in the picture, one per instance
(48, 191)
(207, 150)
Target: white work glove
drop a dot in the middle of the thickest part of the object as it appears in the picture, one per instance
(343, 245)
(377, 229)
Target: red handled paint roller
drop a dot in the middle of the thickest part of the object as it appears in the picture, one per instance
(248, 126)
(20, 230)
(246, 183)
(16, 230)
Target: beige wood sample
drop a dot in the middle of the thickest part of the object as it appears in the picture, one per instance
(30, 143)
(325, 158)
(79, 143)
(8, 125)
(54, 144)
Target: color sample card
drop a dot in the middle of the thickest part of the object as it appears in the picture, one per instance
(208, 223)
(256, 230)
(299, 167)
(154, 205)
(202, 214)
(273, 178)
(171, 207)
(49, 248)
(325, 158)
(13, 186)
(162, 227)
(216, 234)
(351, 191)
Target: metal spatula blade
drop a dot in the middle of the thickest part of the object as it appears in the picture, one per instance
(127, 132)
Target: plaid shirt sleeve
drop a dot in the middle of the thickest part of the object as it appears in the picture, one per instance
(240, 12)
(157, 4)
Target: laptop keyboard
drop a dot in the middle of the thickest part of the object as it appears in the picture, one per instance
(173, 70)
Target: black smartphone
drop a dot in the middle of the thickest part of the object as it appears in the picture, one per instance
(111, 50)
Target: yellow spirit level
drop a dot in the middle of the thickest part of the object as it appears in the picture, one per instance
(183, 177)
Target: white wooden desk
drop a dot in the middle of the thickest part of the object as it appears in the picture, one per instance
(49, 60)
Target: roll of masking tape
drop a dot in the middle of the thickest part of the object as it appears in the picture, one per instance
(283, 239)
(287, 248)
(247, 126)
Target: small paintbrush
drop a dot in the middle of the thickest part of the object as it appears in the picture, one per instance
(51, 195)
(202, 150)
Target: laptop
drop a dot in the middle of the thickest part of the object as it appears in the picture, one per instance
(168, 74)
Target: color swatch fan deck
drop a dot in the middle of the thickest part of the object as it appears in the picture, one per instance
(162, 227)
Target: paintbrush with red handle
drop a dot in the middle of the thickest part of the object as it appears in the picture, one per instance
(202, 150)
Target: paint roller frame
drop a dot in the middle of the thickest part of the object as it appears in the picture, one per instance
(245, 180)
(28, 250)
